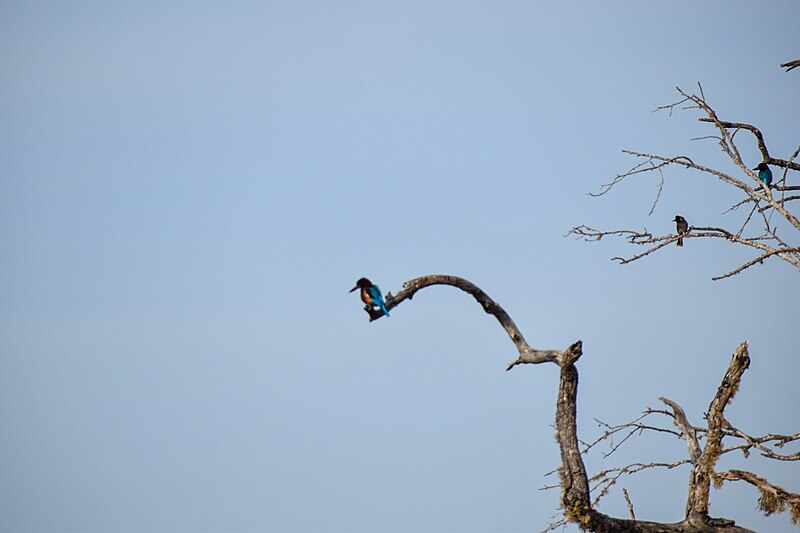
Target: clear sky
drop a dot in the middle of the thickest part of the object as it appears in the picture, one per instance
(189, 189)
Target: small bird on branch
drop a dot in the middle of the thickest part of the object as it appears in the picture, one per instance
(682, 227)
(371, 295)
(764, 174)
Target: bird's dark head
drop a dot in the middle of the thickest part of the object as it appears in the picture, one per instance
(678, 218)
(762, 166)
(363, 283)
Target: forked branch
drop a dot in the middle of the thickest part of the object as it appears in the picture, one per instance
(576, 492)
(765, 200)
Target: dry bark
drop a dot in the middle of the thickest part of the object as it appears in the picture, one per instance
(575, 489)
(764, 237)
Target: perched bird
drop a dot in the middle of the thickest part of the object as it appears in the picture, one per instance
(682, 227)
(371, 294)
(764, 173)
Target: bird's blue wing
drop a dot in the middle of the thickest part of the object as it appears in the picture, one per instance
(375, 293)
(377, 298)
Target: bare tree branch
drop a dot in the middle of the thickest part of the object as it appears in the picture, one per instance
(634, 427)
(575, 497)
(637, 170)
(778, 441)
(687, 430)
(630, 505)
(576, 494)
(756, 194)
(700, 478)
(789, 254)
(774, 499)
(762, 146)
(789, 65)
(527, 354)
(758, 260)
(765, 200)
(606, 479)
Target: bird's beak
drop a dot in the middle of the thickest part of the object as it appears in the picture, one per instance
(354, 288)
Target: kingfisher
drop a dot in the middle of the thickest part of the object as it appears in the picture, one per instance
(371, 294)
(682, 226)
(764, 174)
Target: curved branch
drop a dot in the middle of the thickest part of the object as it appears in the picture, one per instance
(789, 65)
(762, 146)
(687, 430)
(760, 259)
(527, 354)
(773, 498)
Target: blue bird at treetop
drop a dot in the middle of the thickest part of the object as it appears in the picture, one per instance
(764, 174)
(371, 294)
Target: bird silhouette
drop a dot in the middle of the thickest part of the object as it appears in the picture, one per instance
(764, 174)
(371, 294)
(682, 227)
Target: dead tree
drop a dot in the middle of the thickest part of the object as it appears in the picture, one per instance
(768, 228)
(720, 436)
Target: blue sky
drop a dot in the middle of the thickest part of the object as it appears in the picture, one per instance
(189, 189)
